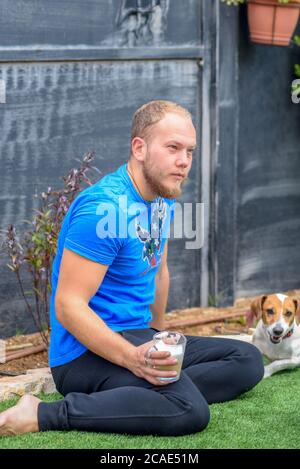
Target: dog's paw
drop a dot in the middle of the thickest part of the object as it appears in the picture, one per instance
(295, 362)
(267, 373)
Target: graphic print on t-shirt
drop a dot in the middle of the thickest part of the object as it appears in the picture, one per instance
(152, 240)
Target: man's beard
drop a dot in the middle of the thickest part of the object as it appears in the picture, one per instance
(153, 178)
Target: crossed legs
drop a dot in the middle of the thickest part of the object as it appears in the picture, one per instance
(103, 397)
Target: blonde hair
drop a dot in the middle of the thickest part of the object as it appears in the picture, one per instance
(151, 113)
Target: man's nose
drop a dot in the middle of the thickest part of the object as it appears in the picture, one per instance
(183, 159)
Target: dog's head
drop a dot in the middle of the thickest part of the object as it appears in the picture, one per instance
(278, 313)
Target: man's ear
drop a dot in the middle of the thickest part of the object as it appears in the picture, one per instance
(257, 305)
(139, 148)
(297, 314)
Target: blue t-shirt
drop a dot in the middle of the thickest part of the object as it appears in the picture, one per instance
(111, 224)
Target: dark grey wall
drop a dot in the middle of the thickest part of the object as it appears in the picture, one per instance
(256, 226)
(75, 72)
(268, 170)
(224, 160)
(74, 77)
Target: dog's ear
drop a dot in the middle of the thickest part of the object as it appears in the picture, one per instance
(297, 314)
(257, 305)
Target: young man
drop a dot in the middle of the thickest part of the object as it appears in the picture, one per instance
(110, 286)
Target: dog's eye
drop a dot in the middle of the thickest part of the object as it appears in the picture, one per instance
(288, 314)
(270, 312)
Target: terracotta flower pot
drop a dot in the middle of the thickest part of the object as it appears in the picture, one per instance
(271, 22)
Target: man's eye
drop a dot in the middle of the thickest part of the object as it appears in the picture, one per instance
(173, 147)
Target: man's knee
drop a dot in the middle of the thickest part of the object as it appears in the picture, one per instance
(251, 361)
(193, 420)
(199, 418)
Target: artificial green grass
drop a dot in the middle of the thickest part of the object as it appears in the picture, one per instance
(268, 416)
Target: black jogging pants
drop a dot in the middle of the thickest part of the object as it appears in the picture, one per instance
(100, 396)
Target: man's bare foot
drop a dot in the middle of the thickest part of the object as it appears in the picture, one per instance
(22, 418)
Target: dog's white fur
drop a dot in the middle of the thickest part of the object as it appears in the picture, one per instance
(281, 347)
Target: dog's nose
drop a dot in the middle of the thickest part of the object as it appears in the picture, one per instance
(278, 330)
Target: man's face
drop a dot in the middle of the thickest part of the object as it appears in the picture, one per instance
(169, 155)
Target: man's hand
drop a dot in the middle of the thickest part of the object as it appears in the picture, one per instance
(143, 363)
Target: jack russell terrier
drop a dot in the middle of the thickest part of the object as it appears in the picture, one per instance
(277, 334)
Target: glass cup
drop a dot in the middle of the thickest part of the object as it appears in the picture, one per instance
(172, 342)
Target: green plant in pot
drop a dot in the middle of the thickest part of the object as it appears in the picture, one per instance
(271, 21)
(296, 84)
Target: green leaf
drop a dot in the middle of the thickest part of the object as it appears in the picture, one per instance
(297, 70)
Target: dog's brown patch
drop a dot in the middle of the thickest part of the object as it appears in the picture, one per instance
(270, 308)
(296, 302)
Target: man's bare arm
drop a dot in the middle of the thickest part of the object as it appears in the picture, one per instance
(158, 308)
(79, 279)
